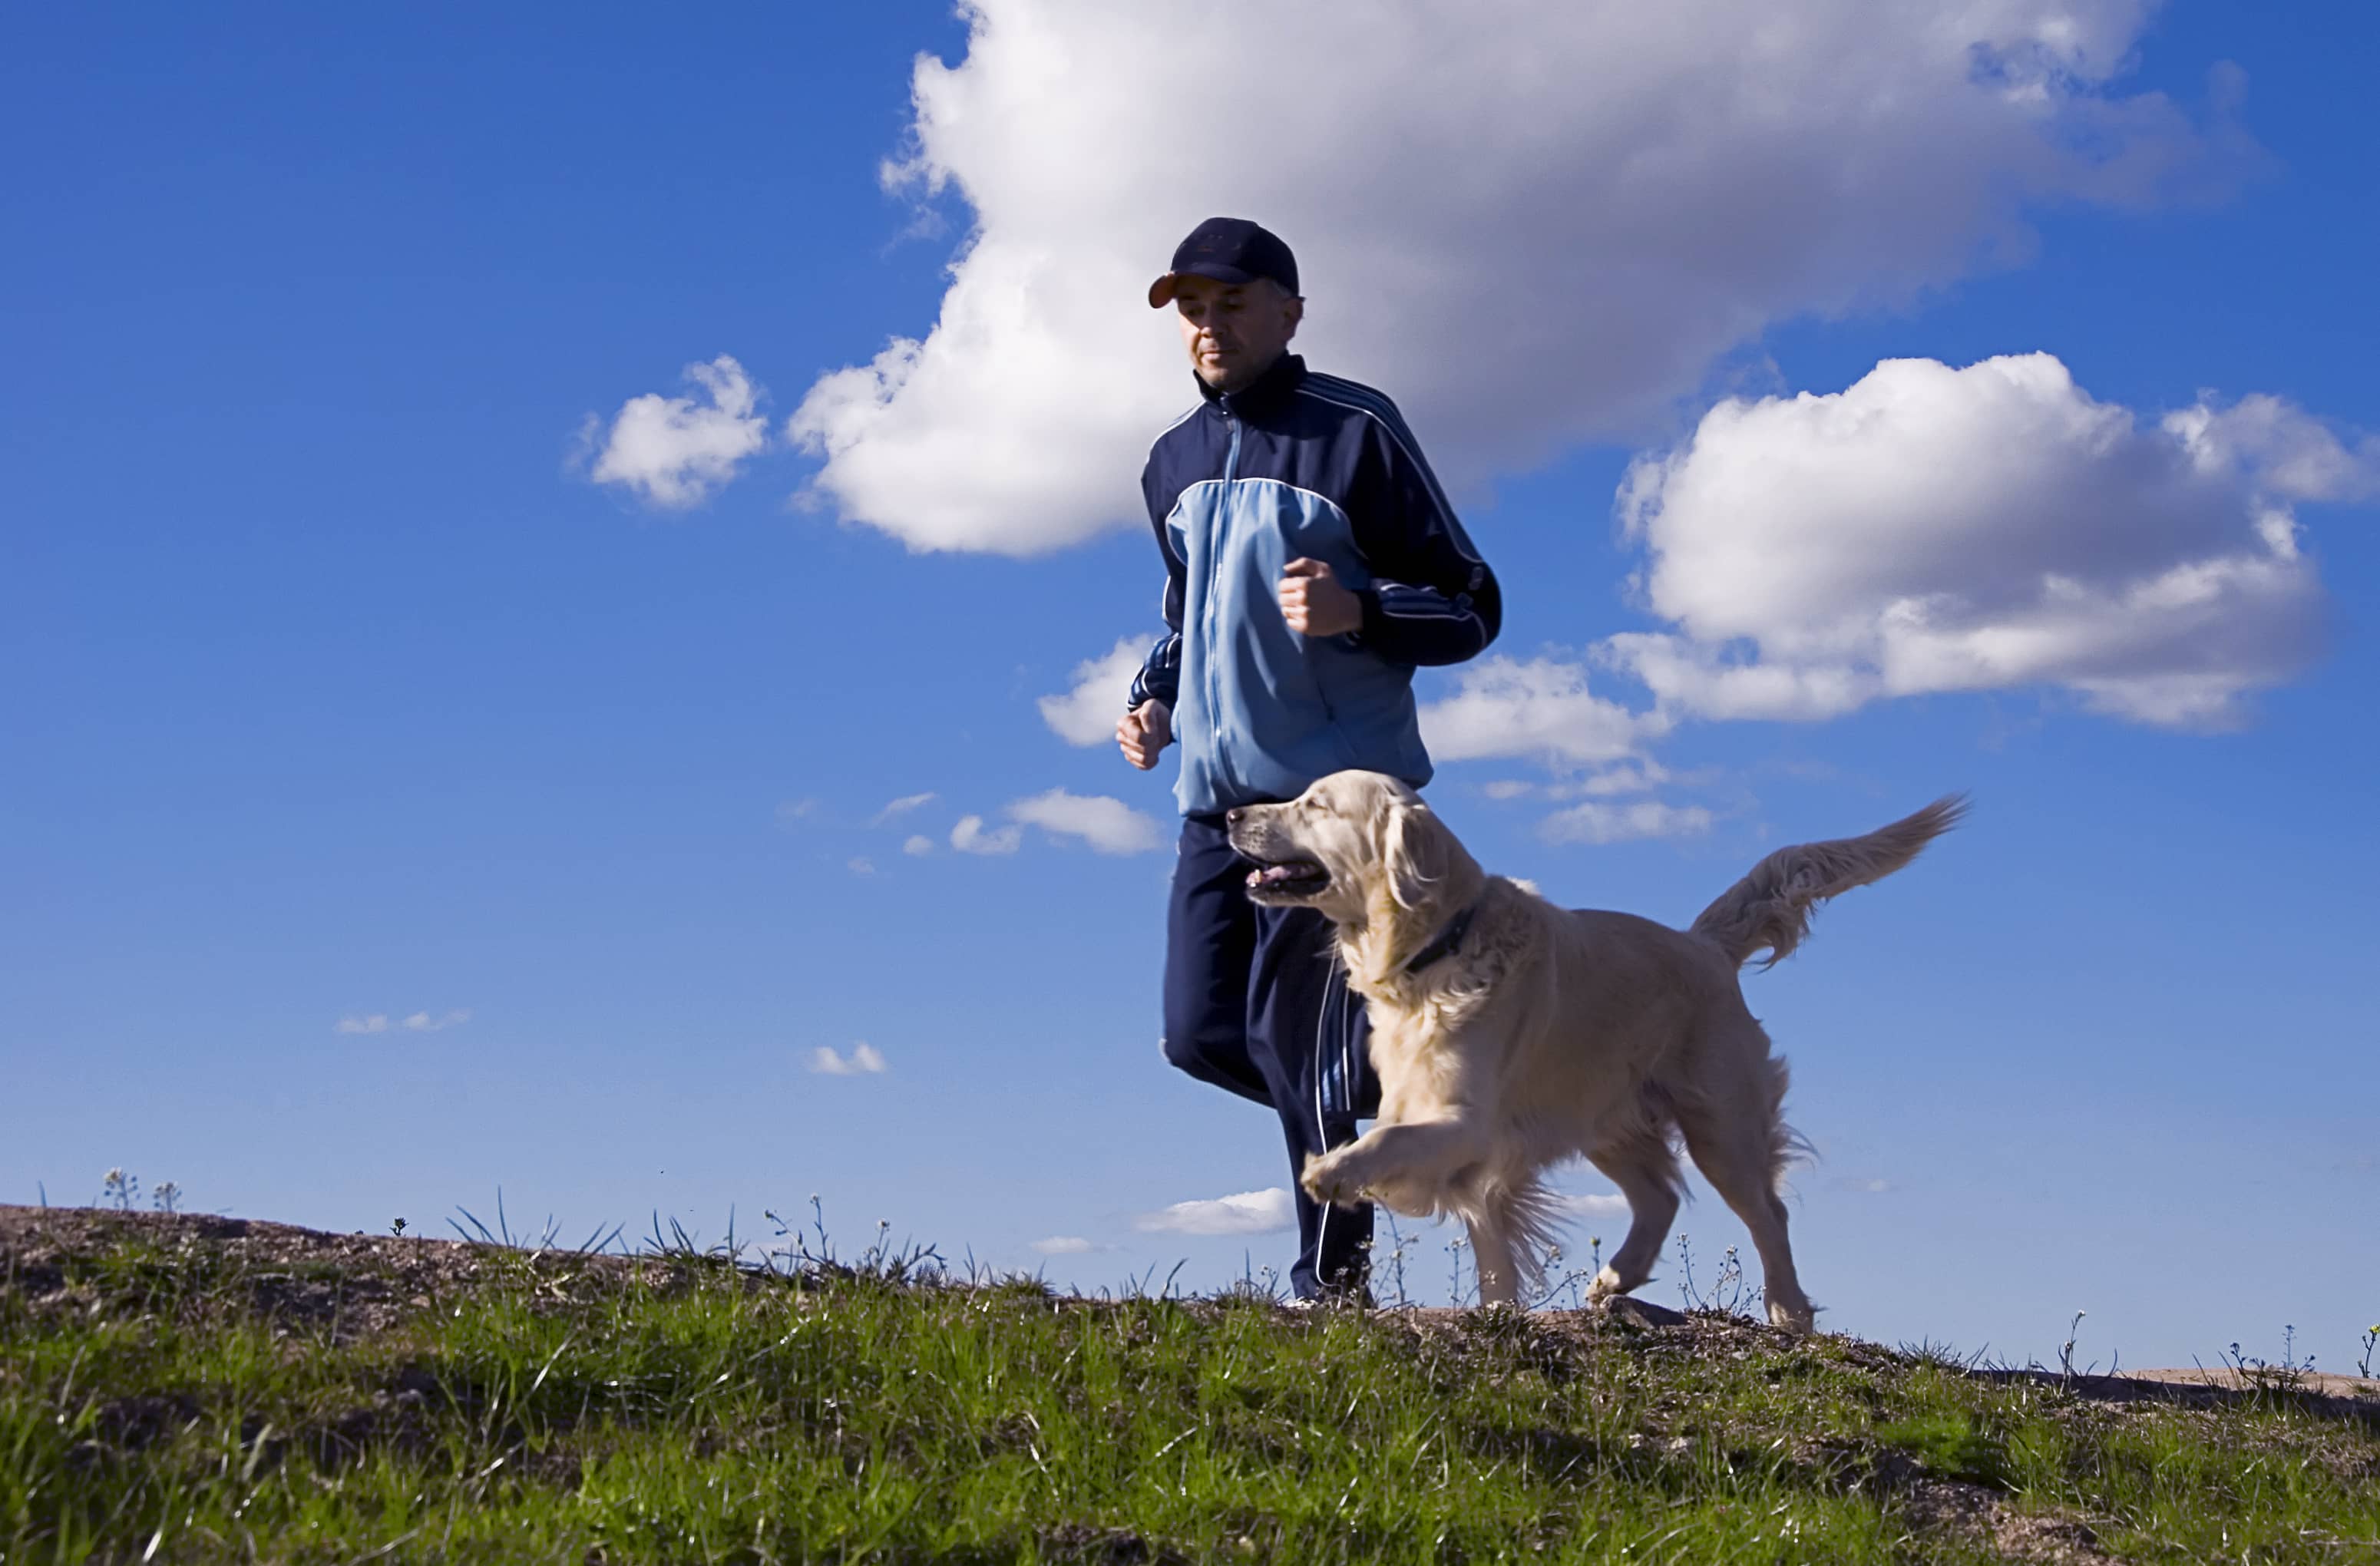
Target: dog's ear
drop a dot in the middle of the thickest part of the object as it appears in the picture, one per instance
(1413, 852)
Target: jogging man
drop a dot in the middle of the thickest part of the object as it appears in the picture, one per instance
(1311, 563)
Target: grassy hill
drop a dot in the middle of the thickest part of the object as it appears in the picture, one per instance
(198, 1389)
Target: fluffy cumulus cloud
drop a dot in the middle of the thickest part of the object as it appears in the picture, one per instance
(1065, 1245)
(1087, 714)
(1529, 224)
(864, 1060)
(672, 452)
(1250, 1212)
(1108, 826)
(1932, 529)
(1540, 709)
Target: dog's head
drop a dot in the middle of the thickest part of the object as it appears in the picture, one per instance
(1359, 847)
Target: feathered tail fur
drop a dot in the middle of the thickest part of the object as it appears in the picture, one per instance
(1769, 909)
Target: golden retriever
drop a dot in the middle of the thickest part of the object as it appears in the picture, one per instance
(1509, 1034)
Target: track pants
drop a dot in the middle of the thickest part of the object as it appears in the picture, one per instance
(1255, 1004)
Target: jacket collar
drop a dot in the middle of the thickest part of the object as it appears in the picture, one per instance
(1263, 394)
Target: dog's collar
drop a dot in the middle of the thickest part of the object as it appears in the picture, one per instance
(1447, 941)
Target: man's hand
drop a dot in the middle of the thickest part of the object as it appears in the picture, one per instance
(1315, 602)
(1145, 730)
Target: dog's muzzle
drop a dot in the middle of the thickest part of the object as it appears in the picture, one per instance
(1281, 874)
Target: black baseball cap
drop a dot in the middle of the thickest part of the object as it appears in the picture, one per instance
(1229, 249)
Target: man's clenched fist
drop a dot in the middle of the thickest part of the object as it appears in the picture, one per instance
(1145, 730)
(1316, 604)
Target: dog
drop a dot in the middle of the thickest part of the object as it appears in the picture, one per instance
(1509, 1034)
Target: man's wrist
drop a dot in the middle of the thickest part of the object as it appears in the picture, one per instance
(1367, 609)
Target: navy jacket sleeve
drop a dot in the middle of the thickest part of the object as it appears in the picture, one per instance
(1432, 599)
(1161, 672)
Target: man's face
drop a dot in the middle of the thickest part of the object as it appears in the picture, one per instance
(1234, 331)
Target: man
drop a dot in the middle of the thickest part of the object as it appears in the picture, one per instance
(1311, 563)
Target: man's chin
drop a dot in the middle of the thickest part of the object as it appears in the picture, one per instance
(1235, 374)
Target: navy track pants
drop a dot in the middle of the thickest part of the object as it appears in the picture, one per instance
(1255, 1004)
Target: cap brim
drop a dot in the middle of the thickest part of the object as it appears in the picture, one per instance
(1161, 292)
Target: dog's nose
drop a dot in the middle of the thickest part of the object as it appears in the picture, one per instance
(1232, 816)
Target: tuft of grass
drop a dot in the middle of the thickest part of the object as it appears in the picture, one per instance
(1949, 1442)
(185, 1389)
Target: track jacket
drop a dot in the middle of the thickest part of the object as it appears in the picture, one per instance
(1301, 463)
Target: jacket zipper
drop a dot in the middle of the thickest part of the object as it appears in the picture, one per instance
(1215, 546)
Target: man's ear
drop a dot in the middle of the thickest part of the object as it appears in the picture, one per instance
(1414, 854)
(1296, 310)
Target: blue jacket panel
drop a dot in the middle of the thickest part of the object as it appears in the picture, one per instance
(1300, 463)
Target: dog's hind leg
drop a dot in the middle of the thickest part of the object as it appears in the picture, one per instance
(1646, 1172)
(1511, 1237)
(1491, 1254)
(1739, 1144)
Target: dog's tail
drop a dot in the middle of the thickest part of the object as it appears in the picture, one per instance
(1769, 909)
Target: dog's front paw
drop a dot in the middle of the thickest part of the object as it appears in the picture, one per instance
(1326, 1179)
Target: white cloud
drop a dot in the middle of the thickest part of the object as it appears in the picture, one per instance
(1542, 708)
(969, 837)
(1532, 225)
(1939, 529)
(1250, 1212)
(419, 1022)
(1637, 777)
(863, 1059)
(674, 452)
(918, 844)
(1611, 1205)
(1631, 778)
(1087, 714)
(2294, 458)
(901, 807)
(861, 865)
(1109, 825)
(1063, 1246)
(792, 810)
(1595, 821)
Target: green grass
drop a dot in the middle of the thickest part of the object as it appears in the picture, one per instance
(682, 1409)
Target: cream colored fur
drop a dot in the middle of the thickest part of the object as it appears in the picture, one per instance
(1549, 1033)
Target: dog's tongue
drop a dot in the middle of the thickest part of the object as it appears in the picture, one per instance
(1268, 875)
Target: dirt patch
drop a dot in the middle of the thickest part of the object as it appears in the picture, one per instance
(346, 1286)
(2351, 1398)
(1934, 1507)
(1084, 1544)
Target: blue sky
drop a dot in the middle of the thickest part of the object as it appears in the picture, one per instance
(341, 688)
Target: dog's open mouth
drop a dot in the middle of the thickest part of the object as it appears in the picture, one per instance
(1289, 878)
